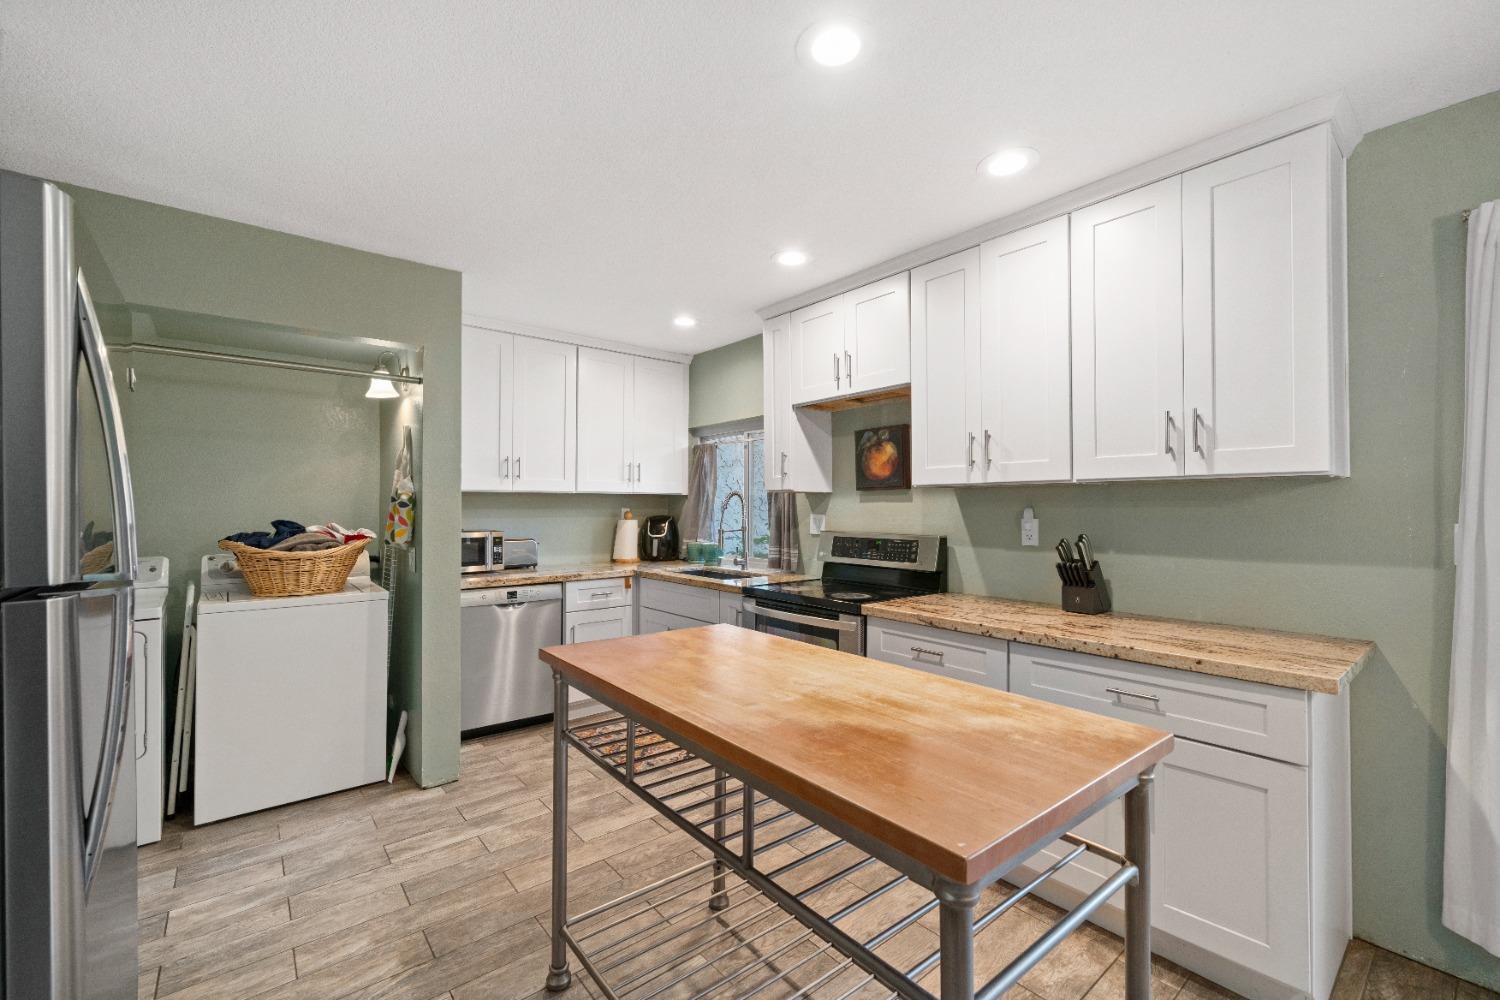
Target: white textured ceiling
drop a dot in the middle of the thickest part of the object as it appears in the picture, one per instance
(598, 167)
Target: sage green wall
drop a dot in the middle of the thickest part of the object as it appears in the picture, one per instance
(724, 384)
(290, 430)
(1369, 556)
(571, 527)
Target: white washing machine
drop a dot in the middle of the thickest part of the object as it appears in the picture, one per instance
(147, 703)
(291, 692)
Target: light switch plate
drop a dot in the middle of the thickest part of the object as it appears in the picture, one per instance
(816, 523)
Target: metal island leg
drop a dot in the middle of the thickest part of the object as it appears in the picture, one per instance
(956, 940)
(558, 976)
(1138, 891)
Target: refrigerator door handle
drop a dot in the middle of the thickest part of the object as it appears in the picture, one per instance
(96, 355)
(117, 711)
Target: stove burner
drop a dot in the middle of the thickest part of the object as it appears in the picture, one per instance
(849, 595)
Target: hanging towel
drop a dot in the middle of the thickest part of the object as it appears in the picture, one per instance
(401, 519)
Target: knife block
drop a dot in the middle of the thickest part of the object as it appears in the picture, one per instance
(1090, 600)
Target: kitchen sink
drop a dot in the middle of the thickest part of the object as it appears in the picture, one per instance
(722, 574)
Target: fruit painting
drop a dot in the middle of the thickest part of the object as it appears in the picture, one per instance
(882, 458)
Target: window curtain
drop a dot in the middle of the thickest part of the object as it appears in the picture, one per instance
(697, 522)
(1471, 834)
(785, 552)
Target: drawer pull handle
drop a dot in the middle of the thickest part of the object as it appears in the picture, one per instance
(1133, 694)
(919, 651)
(602, 593)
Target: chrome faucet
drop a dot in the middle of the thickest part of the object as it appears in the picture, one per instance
(743, 560)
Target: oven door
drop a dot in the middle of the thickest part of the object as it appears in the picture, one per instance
(476, 552)
(821, 628)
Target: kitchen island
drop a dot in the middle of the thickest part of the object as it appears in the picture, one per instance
(788, 762)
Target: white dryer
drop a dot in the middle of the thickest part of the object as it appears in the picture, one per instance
(147, 703)
(291, 692)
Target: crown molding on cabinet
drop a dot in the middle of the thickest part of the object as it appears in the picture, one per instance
(562, 336)
(1333, 110)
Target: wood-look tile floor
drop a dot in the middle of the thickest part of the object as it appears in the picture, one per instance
(394, 891)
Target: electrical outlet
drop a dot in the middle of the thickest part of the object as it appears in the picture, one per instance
(816, 523)
(1031, 528)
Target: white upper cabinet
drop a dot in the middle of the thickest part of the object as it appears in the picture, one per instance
(877, 335)
(817, 340)
(543, 415)
(799, 448)
(1263, 341)
(1127, 335)
(852, 344)
(606, 461)
(659, 426)
(1025, 430)
(945, 381)
(632, 424)
(483, 460)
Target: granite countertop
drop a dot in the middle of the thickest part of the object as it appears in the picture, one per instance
(669, 572)
(1284, 659)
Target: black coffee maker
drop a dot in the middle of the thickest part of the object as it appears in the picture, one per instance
(659, 538)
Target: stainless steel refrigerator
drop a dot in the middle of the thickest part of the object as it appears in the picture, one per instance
(67, 565)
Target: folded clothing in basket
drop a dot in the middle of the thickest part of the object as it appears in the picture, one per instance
(308, 541)
(284, 529)
(339, 533)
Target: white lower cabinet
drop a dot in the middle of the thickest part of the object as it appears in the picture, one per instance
(1236, 836)
(595, 609)
(936, 651)
(1250, 873)
(666, 606)
(655, 620)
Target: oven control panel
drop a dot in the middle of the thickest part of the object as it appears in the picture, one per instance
(890, 550)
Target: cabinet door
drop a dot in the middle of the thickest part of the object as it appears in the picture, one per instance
(1127, 335)
(877, 335)
(604, 623)
(544, 415)
(775, 337)
(605, 410)
(945, 381)
(483, 454)
(818, 370)
(659, 426)
(1256, 310)
(653, 621)
(799, 442)
(1026, 411)
(1230, 845)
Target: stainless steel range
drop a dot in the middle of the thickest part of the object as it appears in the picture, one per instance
(857, 570)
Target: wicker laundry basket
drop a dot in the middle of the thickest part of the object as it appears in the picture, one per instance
(295, 574)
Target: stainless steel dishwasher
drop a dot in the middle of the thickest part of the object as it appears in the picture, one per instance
(500, 631)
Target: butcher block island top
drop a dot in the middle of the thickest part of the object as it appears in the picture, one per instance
(960, 778)
(1285, 659)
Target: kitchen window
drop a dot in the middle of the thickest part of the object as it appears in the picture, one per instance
(741, 470)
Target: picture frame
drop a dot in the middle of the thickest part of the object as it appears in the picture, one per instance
(882, 458)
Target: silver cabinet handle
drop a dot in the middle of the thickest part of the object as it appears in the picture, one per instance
(838, 373)
(1133, 694)
(971, 449)
(783, 465)
(935, 653)
(987, 460)
(1197, 422)
(518, 466)
(602, 593)
(638, 476)
(1168, 443)
(629, 473)
(849, 368)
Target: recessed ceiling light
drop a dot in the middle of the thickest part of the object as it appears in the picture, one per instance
(684, 321)
(1009, 162)
(791, 258)
(832, 44)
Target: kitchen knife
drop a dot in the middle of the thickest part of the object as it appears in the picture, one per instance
(1086, 552)
(1065, 568)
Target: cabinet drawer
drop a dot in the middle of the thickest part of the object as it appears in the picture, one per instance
(947, 654)
(1240, 715)
(653, 620)
(584, 595)
(700, 603)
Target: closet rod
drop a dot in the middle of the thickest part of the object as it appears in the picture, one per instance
(242, 359)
